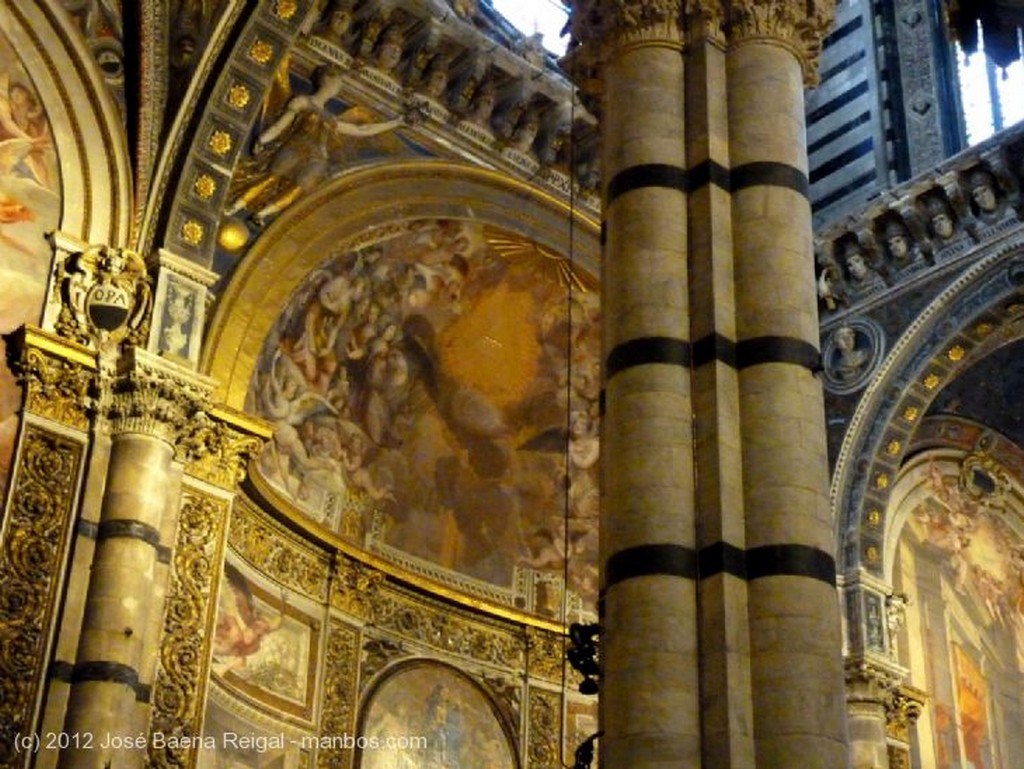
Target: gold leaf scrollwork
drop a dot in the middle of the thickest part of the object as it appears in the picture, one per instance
(544, 719)
(276, 552)
(216, 452)
(546, 652)
(56, 389)
(181, 672)
(339, 700)
(355, 587)
(33, 544)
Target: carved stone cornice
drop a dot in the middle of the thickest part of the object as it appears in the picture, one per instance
(143, 393)
(871, 680)
(57, 375)
(798, 25)
(705, 20)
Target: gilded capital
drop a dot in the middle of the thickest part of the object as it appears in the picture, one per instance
(143, 393)
(799, 25)
(58, 375)
(217, 446)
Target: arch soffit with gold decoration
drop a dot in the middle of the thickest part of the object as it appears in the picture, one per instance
(982, 310)
(90, 140)
(347, 212)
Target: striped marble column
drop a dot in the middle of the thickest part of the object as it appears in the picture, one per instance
(148, 402)
(649, 690)
(796, 667)
(725, 704)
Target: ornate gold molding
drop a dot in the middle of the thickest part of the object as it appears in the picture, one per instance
(340, 687)
(355, 587)
(546, 654)
(218, 446)
(544, 716)
(277, 552)
(57, 375)
(902, 711)
(33, 546)
(798, 25)
(183, 667)
(452, 632)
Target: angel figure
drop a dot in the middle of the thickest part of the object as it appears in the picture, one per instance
(241, 627)
(306, 145)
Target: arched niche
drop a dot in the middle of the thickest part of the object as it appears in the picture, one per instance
(495, 358)
(955, 546)
(425, 714)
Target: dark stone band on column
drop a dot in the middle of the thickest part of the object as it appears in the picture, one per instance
(709, 172)
(791, 561)
(650, 560)
(105, 672)
(650, 349)
(647, 175)
(777, 349)
(722, 558)
(87, 528)
(770, 174)
(128, 529)
(61, 671)
(714, 347)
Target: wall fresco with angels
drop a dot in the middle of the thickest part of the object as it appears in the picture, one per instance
(961, 564)
(29, 208)
(428, 391)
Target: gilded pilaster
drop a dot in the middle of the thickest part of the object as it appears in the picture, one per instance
(33, 549)
(340, 692)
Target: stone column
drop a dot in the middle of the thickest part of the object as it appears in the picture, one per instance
(147, 402)
(796, 665)
(649, 695)
(870, 687)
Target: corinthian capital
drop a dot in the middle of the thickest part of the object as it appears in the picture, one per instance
(604, 25)
(799, 25)
(143, 393)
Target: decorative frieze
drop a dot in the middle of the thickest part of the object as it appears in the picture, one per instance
(276, 552)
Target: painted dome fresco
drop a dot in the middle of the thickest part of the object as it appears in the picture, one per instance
(430, 392)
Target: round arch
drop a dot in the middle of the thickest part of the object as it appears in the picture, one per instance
(980, 311)
(92, 151)
(356, 206)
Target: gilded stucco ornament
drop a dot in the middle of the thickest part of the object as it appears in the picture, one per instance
(57, 377)
(33, 544)
(216, 451)
(355, 587)
(276, 552)
(799, 25)
(183, 664)
(340, 688)
(544, 718)
(105, 296)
